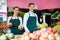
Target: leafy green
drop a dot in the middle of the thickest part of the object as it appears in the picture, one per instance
(55, 14)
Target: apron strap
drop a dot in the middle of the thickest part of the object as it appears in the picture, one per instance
(11, 17)
(29, 14)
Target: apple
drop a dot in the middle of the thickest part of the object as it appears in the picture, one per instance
(22, 37)
(58, 38)
(18, 36)
(53, 30)
(45, 35)
(48, 30)
(43, 29)
(33, 39)
(51, 36)
(26, 33)
(41, 38)
(38, 33)
(33, 36)
(26, 38)
(56, 34)
(3, 25)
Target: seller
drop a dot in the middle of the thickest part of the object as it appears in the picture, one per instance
(30, 20)
(15, 22)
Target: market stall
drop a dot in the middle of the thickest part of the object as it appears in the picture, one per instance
(43, 34)
(49, 22)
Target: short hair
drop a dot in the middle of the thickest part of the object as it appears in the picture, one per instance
(31, 4)
(16, 7)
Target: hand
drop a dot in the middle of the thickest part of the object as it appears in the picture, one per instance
(20, 27)
(9, 25)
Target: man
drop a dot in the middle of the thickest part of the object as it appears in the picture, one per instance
(30, 20)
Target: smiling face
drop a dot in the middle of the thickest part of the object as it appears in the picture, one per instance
(16, 11)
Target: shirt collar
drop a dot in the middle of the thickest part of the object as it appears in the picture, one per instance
(31, 11)
(14, 17)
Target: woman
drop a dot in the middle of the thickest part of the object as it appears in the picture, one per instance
(15, 22)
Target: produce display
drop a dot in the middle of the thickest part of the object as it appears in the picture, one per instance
(6, 36)
(47, 33)
(58, 23)
(3, 25)
(43, 34)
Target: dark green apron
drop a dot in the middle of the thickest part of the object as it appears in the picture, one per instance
(31, 23)
(14, 28)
